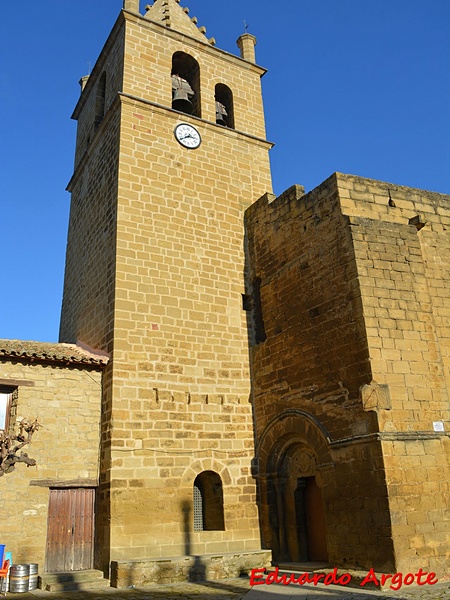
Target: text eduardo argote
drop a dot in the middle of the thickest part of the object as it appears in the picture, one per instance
(395, 581)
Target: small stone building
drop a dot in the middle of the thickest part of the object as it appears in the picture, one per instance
(60, 385)
(270, 377)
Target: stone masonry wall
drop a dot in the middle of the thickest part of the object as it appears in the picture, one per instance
(403, 269)
(181, 329)
(402, 245)
(219, 565)
(88, 299)
(148, 62)
(307, 373)
(162, 441)
(354, 289)
(155, 275)
(315, 355)
(67, 403)
(110, 62)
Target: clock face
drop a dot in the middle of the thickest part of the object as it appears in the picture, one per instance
(187, 136)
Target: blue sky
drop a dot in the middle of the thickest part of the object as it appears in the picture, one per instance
(360, 87)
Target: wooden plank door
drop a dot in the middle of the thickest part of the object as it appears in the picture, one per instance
(70, 530)
(315, 525)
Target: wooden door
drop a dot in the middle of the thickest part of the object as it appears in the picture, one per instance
(315, 521)
(70, 530)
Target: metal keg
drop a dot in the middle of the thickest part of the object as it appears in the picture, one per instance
(33, 582)
(19, 578)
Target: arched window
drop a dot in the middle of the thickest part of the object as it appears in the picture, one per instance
(224, 106)
(186, 84)
(100, 101)
(208, 502)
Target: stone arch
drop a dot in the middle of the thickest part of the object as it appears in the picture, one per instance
(205, 464)
(224, 105)
(208, 502)
(186, 93)
(289, 427)
(187, 482)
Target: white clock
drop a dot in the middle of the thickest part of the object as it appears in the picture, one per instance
(187, 136)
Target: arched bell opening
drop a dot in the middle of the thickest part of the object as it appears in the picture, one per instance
(186, 84)
(224, 106)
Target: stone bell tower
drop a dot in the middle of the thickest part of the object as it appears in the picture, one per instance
(170, 151)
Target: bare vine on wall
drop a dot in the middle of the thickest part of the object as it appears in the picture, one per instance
(11, 443)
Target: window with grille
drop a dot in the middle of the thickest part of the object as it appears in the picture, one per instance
(198, 509)
(208, 502)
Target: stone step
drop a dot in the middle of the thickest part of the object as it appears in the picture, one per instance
(74, 580)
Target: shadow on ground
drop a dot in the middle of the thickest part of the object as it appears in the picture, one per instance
(230, 589)
(236, 589)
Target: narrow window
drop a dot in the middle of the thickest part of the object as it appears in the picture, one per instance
(247, 303)
(224, 106)
(5, 409)
(208, 502)
(100, 101)
(186, 84)
(260, 332)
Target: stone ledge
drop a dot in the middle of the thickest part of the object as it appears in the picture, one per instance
(127, 573)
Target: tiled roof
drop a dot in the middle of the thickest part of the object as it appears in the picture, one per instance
(50, 352)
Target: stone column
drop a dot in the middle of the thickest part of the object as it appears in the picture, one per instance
(247, 43)
(279, 487)
(131, 5)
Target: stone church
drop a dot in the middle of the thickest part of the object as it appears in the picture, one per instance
(240, 378)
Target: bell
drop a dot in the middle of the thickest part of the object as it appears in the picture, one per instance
(221, 113)
(181, 102)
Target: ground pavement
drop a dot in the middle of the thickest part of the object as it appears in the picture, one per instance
(238, 589)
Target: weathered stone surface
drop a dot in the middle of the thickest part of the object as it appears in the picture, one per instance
(354, 368)
(186, 568)
(67, 402)
(155, 273)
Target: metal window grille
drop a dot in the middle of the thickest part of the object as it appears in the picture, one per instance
(198, 509)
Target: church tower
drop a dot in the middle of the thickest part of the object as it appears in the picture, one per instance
(170, 151)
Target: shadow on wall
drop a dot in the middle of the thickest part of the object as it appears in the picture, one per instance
(197, 571)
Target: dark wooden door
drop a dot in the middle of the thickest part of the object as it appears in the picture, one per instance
(70, 530)
(315, 523)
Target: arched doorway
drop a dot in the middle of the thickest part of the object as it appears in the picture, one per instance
(302, 509)
(295, 469)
